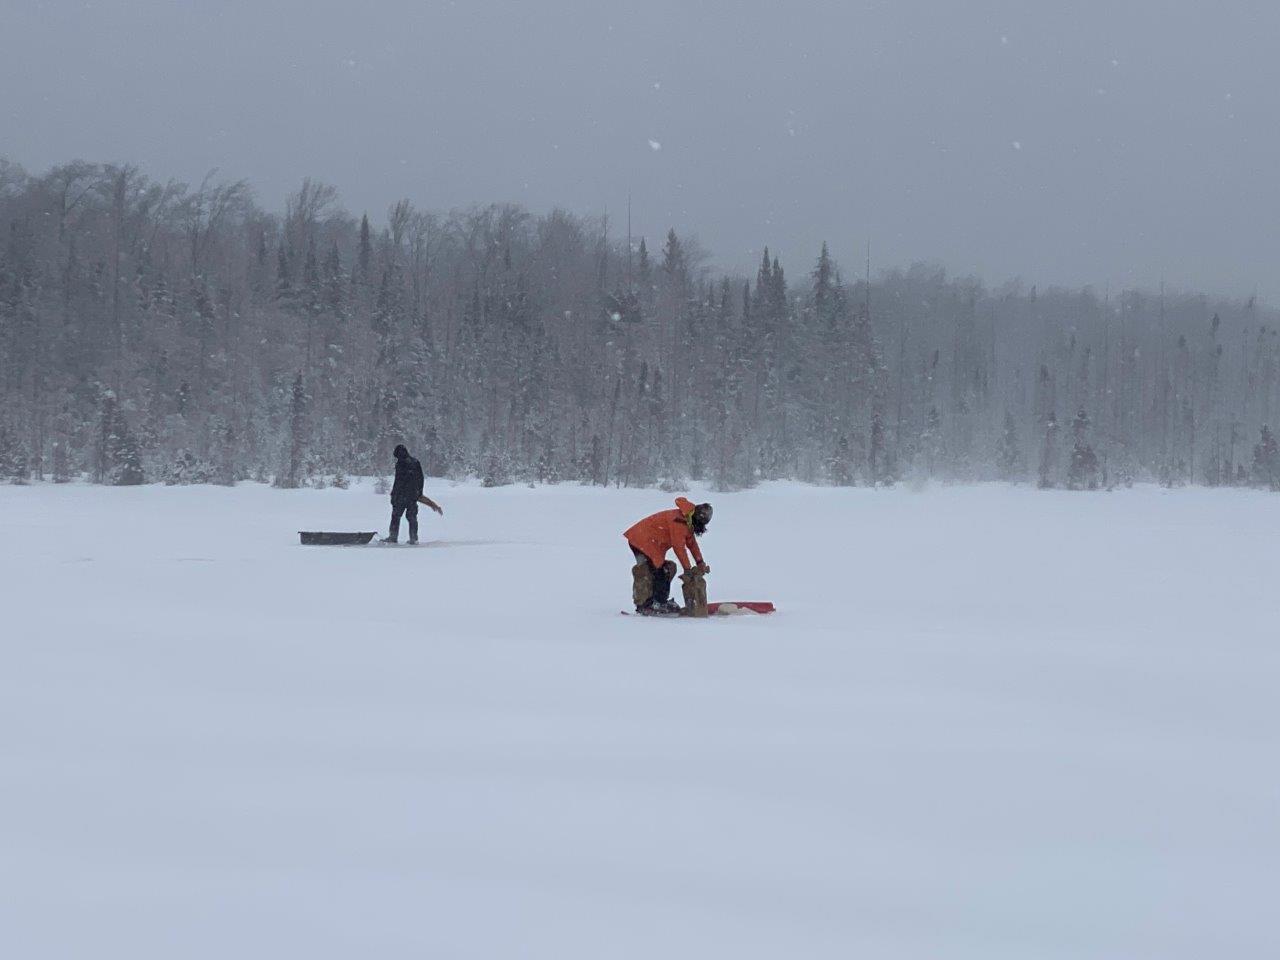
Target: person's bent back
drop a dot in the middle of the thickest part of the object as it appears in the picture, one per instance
(651, 538)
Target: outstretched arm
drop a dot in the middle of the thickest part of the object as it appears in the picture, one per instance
(697, 553)
(678, 534)
(684, 543)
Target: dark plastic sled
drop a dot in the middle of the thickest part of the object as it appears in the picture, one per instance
(313, 538)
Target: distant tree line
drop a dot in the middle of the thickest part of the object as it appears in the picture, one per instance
(166, 332)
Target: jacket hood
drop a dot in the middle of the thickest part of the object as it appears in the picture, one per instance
(684, 505)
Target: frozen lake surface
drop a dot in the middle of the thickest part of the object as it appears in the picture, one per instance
(985, 723)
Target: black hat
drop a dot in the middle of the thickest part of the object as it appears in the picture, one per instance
(701, 517)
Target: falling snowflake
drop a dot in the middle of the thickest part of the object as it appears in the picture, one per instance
(655, 146)
(1017, 144)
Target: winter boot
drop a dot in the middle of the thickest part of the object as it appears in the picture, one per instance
(641, 585)
(664, 608)
(694, 584)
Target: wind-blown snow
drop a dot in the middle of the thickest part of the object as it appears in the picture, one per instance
(985, 723)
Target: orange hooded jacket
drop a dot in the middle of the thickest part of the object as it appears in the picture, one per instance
(668, 530)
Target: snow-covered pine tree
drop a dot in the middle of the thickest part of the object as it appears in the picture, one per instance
(1266, 460)
(299, 428)
(1009, 451)
(1048, 473)
(124, 456)
(495, 466)
(61, 463)
(931, 443)
(840, 463)
(225, 470)
(364, 255)
(1082, 473)
(284, 276)
(593, 462)
(14, 462)
(881, 462)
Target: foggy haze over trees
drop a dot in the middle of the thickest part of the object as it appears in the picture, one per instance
(1064, 143)
(154, 330)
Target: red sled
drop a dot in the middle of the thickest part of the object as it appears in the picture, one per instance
(724, 608)
(730, 607)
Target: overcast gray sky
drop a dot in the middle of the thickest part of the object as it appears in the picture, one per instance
(1063, 142)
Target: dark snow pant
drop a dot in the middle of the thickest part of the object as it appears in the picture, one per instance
(661, 577)
(410, 511)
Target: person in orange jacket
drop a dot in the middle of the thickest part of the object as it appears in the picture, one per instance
(651, 538)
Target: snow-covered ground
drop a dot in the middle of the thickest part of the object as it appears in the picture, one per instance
(986, 723)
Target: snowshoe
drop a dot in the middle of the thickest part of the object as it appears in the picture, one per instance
(668, 608)
(664, 608)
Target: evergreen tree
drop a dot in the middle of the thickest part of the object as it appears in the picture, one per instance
(388, 425)
(881, 467)
(284, 276)
(1266, 461)
(644, 281)
(1082, 474)
(334, 297)
(61, 463)
(123, 455)
(226, 472)
(311, 278)
(931, 442)
(840, 463)
(187, 468)
(1049, 453)
(292, 475)
(107, 423)
(364, 256)
(823, 283)
(593, 469)
(495, 464)
(14, 462)
(674, 265)
(1009, 451)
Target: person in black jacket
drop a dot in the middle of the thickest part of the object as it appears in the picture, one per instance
(404, 494)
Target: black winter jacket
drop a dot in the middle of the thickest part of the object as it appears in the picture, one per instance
(408, 486)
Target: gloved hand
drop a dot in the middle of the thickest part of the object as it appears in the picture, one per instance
(704, 568)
